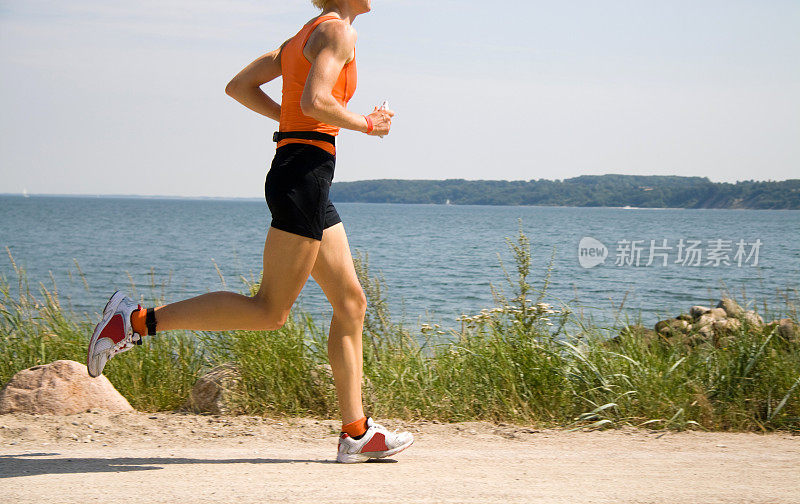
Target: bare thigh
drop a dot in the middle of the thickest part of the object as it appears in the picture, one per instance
(334, 272)
(288, 260)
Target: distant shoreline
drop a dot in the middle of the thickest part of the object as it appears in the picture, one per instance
(585, 191)
(620, 191)
(244, 199)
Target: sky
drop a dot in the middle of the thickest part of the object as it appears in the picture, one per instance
(121, 97)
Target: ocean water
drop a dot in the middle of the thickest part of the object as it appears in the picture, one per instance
(438, 261)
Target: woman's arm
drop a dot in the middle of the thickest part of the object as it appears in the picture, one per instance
(245, 87)
(328, 49)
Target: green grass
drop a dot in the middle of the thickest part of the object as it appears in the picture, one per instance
(521, 361)
(34, 329)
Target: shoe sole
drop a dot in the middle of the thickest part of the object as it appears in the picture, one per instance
(114, 300)
(352, 458)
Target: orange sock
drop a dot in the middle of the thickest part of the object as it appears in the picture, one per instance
(138, 321)
(356, 429)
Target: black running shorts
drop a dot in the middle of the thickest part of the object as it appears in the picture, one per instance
(297, 188)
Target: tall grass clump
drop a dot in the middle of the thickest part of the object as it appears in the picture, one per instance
(282, 372)
(527, 359)
(746, 385)
(498, 365)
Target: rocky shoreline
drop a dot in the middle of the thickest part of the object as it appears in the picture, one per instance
(717, 327)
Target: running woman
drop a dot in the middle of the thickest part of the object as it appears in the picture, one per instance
(306, 236)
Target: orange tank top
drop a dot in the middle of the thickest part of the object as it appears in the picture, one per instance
(295, 68)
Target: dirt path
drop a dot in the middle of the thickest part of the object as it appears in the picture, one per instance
(176, 458)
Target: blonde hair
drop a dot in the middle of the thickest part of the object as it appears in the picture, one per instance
(321, 4)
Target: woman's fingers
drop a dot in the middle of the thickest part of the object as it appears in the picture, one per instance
(381, 121)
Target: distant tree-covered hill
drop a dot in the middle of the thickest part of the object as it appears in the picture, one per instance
(650, 191)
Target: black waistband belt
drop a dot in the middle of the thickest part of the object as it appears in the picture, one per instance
(304, 135)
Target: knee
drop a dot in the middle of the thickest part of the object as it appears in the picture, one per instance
(272, 318)
(275, 320)
(353, 306)
(358, 304)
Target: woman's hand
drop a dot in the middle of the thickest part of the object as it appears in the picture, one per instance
(381, 121)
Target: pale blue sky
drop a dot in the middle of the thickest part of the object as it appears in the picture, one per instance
(121, 97)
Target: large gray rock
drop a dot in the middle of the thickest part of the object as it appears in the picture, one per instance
(671, 327)
(731, 307)
(705, 320)
(789, 330)
(752, 318)
(63, 387)
(697, 311)
(216, 391)
(705, 332)
(725, 331)
(727, 325)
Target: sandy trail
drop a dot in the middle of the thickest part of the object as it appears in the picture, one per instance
(98, 457)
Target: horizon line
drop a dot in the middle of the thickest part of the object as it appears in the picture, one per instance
(25, 192)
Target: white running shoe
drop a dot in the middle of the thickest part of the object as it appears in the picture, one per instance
(377, 442)
(113, 334)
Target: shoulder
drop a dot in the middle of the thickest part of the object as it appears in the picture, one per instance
(334, 34)
(336, 29)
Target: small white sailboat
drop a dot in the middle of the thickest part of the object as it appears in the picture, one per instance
(25, 193)
(447, 202)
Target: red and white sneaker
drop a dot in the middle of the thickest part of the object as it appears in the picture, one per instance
(377, 442)
(113, 334)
